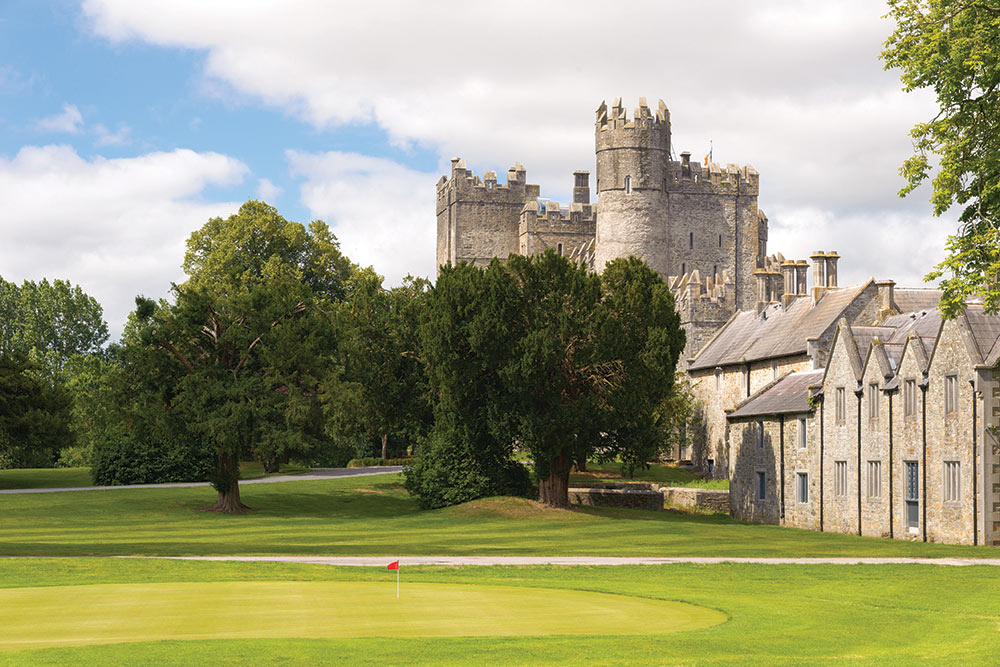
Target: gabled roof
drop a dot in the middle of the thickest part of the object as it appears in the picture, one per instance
(910, 299)
(789, 394)
(985, 330)
(775, 332)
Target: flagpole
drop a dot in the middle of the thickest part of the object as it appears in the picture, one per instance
(397, 583)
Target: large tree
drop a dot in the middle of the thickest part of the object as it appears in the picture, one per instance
(250, 331)
(34, 416)
(953, 48)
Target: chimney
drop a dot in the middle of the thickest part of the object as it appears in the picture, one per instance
(819, 274)
(762, 288)
(581, 187)
(686, 164)
(801, 269)
(886, 298)
(774, 279)
(788, 275)
(831, 268)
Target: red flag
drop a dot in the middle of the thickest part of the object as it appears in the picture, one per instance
(394, 565)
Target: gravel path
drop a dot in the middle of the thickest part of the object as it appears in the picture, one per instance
(382, 561)
(317, 473)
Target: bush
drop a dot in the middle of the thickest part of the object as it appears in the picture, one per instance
(445, 472)
(142, 455)
(76, 456)
(377, 461)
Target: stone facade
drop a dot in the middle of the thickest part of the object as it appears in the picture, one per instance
(899, 436)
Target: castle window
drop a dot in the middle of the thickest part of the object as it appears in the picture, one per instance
(718, 378)
(802, 490)
(559, 248)
(873, 401)
(715, 271)
(761, 485)
(759, 428)
(840, 478)
(628, 185)
(801, 432)
(720, 240)
(909, 397)
(950, 393)
(841, 405)
(684, 269)
(691, 240)
(952, 481)
(874, 479)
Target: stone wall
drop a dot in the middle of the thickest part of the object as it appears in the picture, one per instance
(632, 496)
(713, 500)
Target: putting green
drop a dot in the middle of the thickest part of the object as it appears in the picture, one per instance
(111, 613)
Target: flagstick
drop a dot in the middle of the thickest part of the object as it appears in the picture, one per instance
(397, 582)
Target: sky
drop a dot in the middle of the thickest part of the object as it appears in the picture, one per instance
(125, 126)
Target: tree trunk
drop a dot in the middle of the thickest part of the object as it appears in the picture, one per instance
(227, 483)
(581, 465)
(272, 464)
(385, 446)
(554, 489)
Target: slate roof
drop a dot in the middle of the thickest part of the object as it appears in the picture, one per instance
(910, 299)
(787, 395)
(775, 332)
(926, 323)
(985, 330)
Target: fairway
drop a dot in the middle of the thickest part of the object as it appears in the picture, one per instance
(50, 616)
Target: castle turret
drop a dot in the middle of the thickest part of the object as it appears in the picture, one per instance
(632, 162)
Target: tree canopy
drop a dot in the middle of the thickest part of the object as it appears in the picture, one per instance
(953, 48)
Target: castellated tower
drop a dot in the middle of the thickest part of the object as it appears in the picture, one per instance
(632, 160)
(678, 216)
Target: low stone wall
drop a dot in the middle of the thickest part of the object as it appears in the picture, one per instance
(714, 500)
(632, 496)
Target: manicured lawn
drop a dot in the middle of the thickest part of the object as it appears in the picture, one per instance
(666, 475)
(57, 478)
(374, 516)
(777, 614)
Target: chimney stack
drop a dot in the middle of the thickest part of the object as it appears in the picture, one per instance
(831, 268)
(801, 269)
(788, 275)
(763, 295)
(886, 298)
(581, 187)
(819, 274)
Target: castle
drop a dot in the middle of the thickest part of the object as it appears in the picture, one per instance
(697, 225)
(773, 364)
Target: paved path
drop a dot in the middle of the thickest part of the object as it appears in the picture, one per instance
(317, 473)
(382, 561)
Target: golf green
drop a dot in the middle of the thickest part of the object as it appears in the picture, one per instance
(49, 616)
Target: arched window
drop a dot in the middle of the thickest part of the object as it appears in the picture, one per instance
(628, 185)
(559, 248)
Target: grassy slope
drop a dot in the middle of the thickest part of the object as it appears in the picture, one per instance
(374, 516)
(778, 615)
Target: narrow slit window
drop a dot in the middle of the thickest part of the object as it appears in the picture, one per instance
(628, 185)
(691, 240)
(559, 248)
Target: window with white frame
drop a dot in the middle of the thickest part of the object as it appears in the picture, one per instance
(761, 485)
(909, 398)
(952, 481)
(841, 405)
(802, 487)
(801, 432)
(873, 396)
(950, 393)
(874, 479)
(840, 478)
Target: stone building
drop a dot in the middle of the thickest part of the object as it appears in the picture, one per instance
(697, 224)
(895, 437)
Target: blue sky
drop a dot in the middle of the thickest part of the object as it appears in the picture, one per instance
(125, 125)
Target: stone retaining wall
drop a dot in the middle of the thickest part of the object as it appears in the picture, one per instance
(633, 496)
(715, 500)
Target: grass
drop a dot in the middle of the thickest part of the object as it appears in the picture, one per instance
(777, 615)
(666, 475)
(374, 516)
(60, 478)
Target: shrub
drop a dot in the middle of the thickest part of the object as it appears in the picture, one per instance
(151, 455)
(377, 461)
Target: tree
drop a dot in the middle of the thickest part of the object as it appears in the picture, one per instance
(49, 322)
(250, 331)
(34, 416)
(953, 47)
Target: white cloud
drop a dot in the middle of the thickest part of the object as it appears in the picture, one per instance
(106, 137)
(115, 227)
(377, 208)
(796, 89)
(267, 191)
(69, 121)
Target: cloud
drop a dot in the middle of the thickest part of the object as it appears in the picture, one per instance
(796, 89)
(267, 191)
(116, 227)
(378, 209)
(69, 121)
(107, 138)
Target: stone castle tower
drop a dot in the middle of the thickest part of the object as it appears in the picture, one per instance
(697, 225)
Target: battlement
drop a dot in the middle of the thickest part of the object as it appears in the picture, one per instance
(570, 231)
(462, 179)
(641, 118)
(688, 176)
(690, 289)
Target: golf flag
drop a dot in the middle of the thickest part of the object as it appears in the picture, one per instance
(394, 565)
